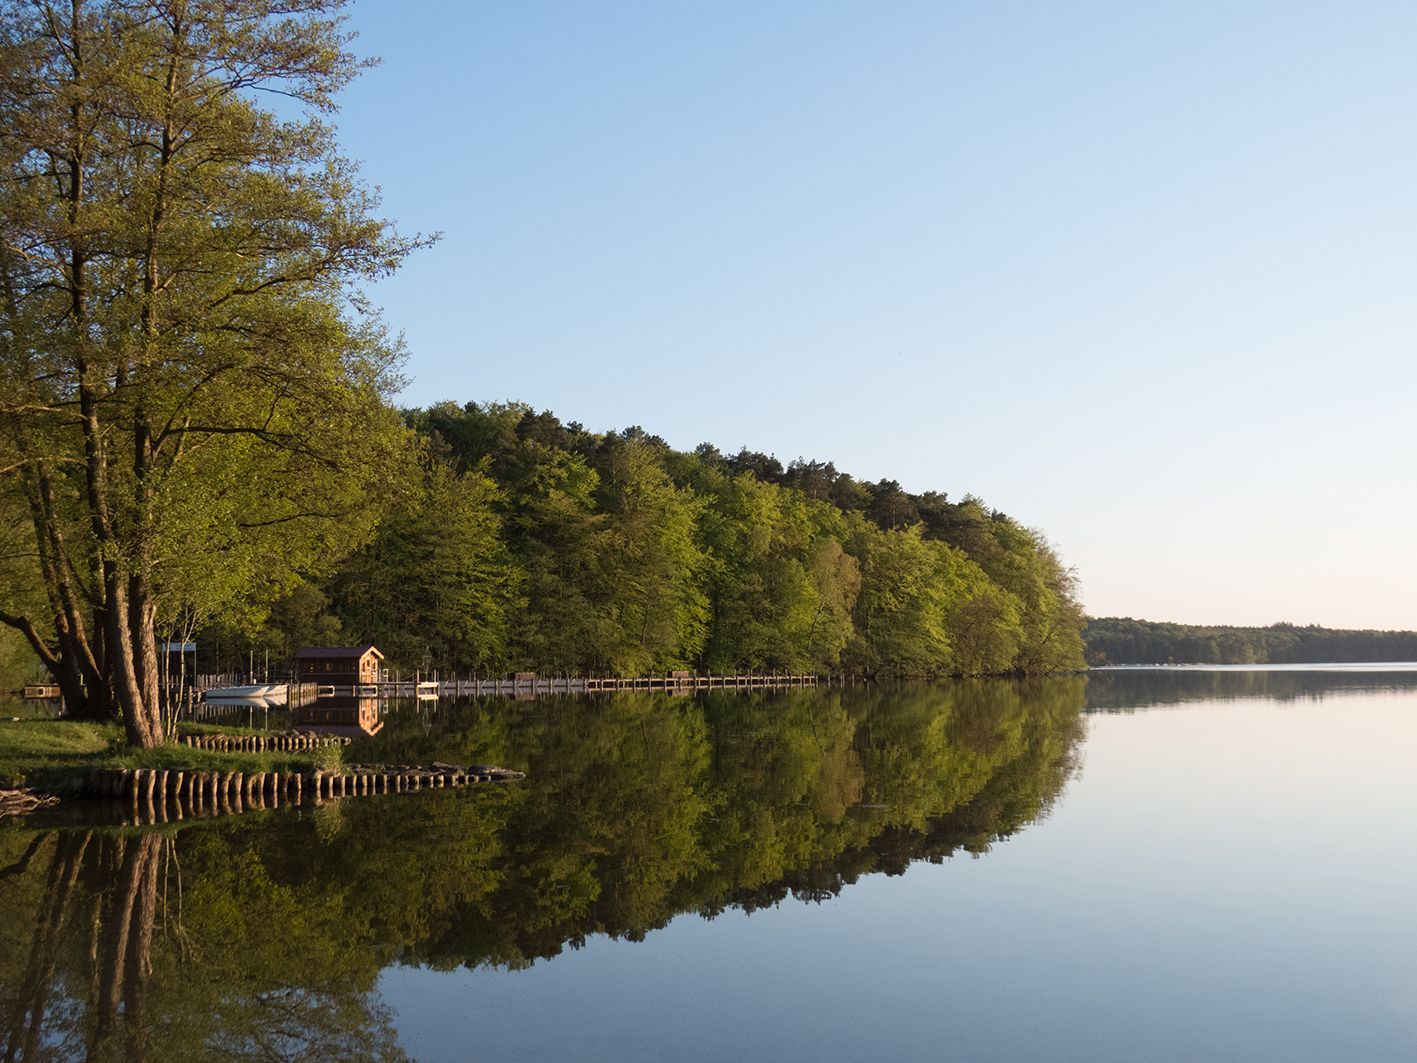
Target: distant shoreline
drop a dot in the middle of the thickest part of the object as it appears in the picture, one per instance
(1122, 641)
(1303, 666)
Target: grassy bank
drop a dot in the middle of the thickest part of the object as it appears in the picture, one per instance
(53, 754)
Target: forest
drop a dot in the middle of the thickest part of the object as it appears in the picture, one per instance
(1122, 640)
(522, 543)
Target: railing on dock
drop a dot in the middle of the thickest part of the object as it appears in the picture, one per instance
(529, 685)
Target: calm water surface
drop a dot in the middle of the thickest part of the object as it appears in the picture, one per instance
(1165, 864)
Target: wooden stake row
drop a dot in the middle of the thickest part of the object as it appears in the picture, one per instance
(293, 743)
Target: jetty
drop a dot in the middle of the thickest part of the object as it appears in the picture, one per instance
(530, 685)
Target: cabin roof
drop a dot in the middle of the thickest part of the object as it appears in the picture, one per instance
(338, 651)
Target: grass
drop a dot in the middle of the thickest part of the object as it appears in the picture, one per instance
(56, 754)
(31, 750)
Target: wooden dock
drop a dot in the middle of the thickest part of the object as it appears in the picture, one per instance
(529, 685)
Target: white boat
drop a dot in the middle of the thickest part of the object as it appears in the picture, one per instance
(257, 690)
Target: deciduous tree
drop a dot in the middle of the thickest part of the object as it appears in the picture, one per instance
(191, 400)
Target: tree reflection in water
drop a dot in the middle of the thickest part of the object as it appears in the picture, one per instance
(262, 936)
(112, 972)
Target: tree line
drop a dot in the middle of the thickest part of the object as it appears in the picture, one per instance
(523, 543)
(1122, 640)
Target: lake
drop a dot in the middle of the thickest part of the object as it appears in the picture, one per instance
(1143, 864)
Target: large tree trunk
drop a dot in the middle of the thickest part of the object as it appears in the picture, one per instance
(118, 672)
(67, 654)
(142, 723)
(142, 616)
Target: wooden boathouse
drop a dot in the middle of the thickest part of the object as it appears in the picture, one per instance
(338, 665)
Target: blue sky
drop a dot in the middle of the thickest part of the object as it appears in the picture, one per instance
(1142, 276)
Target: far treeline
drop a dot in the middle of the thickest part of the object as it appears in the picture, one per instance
(525, 543)
(1122, 640)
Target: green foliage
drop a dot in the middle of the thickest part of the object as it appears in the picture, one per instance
(650, 566)
(1122, 640)
(299, 619)
(782, 589)
(327, 758)
(436, 577)
(194, 412)
(18, 663)
(533, 545)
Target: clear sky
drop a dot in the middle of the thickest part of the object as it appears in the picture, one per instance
(1141, 275)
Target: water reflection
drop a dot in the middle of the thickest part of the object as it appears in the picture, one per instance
(341, 715)
(1128, 689)
(261, 936)
(113, 953)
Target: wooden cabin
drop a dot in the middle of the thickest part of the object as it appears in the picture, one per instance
(338, 665)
